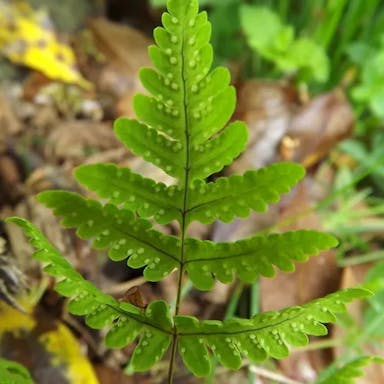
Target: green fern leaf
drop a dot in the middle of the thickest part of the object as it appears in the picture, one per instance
(125, 235)
(268, 334)
(123, 187)
(154, 326)
(251, 257)
(14, 373)
(236, 195)
(349, 371)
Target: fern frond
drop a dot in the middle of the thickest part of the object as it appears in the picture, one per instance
(349, 372)
(251, 257)
(236, 195)
(154, 326)
(268, 334)
(14, 373)
(123, 187)
(117, 229)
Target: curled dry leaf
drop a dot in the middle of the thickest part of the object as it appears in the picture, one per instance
(75, 140)
(126, 50)
(49, 177)
(319, 275)
(123, 45)
(108, 375)
(266, 107)
(313, 279)
(282, 128)
(11, 189)
(9, 125)
(317, 128)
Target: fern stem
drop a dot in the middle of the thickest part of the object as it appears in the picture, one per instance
(184, 225)
(171, 368)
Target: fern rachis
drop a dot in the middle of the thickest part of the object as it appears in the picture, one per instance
(182, 130)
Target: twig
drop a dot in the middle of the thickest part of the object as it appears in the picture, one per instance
(272, 375)
(123, 287)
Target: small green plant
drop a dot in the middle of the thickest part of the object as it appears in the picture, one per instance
(348, 372)
(275, 41)
(182, 130)
(14, 373)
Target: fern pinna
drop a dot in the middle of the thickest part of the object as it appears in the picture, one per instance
(181, 128)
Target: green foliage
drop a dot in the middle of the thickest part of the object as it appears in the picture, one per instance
(373, 325)
(349, 371)
(369, 156)
(265, 335)
(371, 89)
(182, 129)
(273, 40)
(14, 373)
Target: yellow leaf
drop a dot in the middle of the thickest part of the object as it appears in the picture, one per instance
(27, 38)
(56, 342)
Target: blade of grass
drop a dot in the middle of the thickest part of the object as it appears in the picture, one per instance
(230, 312)
(361, 259)
(326, 30)
(254, 306)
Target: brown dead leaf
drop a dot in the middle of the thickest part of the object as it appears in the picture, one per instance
(123, 45)
(316, 128)
(315, 278)
(126, 51)
(34, 82)
(75, 140)
(267, 109)
(9, 125)
(107, 375)
(282, 128)
(10, 179)
(49, 177)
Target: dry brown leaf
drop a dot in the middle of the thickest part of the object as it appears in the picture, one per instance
(126, 50)
(107, 375)
(123, 45)
(75, 140)
(317, 127)
(33, 84)
(315, 278)
(266, 107)
(281, 128)
(49, 177)
(10, 179)
(9, 125)
(312, 279)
